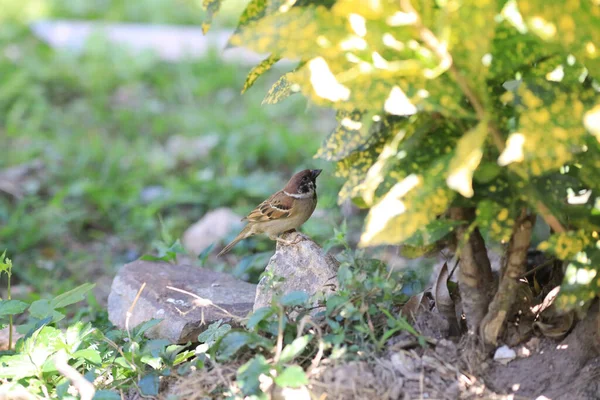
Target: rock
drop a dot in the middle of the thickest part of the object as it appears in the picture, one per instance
(303, 266)
(183, 315)
(212, 227)
(504, 355)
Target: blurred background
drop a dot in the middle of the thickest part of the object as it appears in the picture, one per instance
(110, 152)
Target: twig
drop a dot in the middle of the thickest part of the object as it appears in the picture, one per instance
(537, 268)
(202, 302)
(85, 388)
(442, 52)
(129, 312)
(279, 347)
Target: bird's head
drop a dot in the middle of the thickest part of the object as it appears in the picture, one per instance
(304, 183)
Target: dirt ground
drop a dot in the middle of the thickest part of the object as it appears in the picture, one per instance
(566, 369)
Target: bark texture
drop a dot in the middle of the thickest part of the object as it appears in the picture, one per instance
(475, 274)
(515, 265)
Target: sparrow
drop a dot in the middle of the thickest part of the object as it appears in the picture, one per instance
(284, 211)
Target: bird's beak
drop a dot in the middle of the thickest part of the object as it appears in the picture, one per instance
(315, 173)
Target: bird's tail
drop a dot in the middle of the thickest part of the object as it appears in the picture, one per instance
(241, 236)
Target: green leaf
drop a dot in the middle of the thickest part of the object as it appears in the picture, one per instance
(469, 42)
(5, 264)
(566, 245)
(90, 355)
(203, 256)
(293, 376)
(293, 349)
(142, 328)
(17, 367)
(296, 298)
(12, 307)
(546, 139)
(249, 373)
(107, 395)
(149, 385)
(496, 220)
(214, 332)
(581, 283)
(467, 157)
(351, 133)
(280, 90)
(234, 340)
(411, 204)
(211, 7)
(258, 70)
(258, 316)
(42, 309)
(72, 296)
(432, 232)
(284, 34)
(573, 24)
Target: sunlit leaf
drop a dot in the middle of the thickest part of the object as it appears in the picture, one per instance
(280, 90)
(293, 349)
(292, 376)
(212, 8)
(495, 220)
(571, 23)
(469, 152)
(566, 245)
(549, 137)
(257, 71)
(410, 204)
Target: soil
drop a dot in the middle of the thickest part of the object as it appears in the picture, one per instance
(554, 369)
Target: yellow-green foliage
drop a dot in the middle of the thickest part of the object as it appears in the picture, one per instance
(486, 104)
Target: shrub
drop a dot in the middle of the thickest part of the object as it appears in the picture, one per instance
(456, 119)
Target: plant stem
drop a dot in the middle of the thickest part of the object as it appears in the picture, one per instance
(10, 317)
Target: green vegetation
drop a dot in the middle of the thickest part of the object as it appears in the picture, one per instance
(448, 127)
(477, 136)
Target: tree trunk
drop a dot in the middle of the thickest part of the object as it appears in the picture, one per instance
(475, 278)
(516, 258)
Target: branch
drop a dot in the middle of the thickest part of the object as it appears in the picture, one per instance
(440, 50)
(85, 388)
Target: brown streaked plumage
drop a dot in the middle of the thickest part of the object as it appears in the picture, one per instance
(284, 211)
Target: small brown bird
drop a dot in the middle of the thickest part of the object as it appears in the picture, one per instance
(284, 211)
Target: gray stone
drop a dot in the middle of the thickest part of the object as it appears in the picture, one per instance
(303, 266)
(213, 227)
(211, 296)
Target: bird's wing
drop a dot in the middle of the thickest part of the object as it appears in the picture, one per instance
(275, 207)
